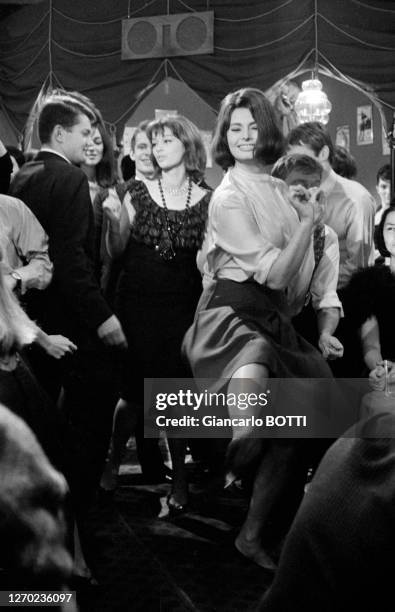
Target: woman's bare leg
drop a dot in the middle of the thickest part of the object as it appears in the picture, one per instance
(275, 475)
(80, 565)
(243, 451)
(124, 424)
(245, 448)
(179, 486)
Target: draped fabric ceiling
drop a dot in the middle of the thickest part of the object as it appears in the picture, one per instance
(77, 45)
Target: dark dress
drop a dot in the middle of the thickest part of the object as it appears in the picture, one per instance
(156, 299)
(371, 292)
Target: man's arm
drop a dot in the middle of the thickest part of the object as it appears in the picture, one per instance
(31, 245)
(328, 320)
(325, 299)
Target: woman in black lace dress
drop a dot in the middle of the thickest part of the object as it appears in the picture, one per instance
(159, 234)
(369, 303)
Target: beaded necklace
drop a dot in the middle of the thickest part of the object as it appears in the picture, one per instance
(177, 191)
(167, 243)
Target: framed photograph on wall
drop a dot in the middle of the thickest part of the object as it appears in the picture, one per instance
(127, 137)
(343, 136)
(385, 142)
(364, 124)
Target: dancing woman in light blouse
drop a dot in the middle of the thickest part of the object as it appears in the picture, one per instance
(258, 271)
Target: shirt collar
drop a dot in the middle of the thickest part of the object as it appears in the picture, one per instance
(328, 183)
(49, 150)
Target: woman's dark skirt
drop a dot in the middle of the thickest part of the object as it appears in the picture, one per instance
(242, 323)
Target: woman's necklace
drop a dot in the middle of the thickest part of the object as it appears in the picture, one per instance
(167, 243)
(177, 191)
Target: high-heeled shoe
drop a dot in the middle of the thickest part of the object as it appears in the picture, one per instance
(175, 508)
(256, 554)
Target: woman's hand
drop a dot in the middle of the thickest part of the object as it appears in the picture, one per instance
(112, 207)
(377, 375)
(58, 346)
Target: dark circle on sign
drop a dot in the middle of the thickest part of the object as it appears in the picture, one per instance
(142, 38)
(191, 33)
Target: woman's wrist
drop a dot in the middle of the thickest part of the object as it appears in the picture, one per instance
(372, 359)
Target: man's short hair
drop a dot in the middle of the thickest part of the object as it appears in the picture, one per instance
(61, 110)
(344, 163)
(295, 161)
(314, 135)
(383, 173)
(81, 99)
(142, 127)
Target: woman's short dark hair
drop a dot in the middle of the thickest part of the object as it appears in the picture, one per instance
(270, 143)
(380, 233)
(188, 133)
(106, 171)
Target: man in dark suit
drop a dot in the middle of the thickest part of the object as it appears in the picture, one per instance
(58, 194)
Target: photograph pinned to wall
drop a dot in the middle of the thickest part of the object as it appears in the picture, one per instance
(385, 138)
(364, 125)
(162, 112)
(127, 138)
(343, 136)
(207, 138)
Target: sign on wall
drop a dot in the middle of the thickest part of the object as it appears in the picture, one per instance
(343, 136)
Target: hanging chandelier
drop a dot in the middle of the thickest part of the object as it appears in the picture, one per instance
(312, 103)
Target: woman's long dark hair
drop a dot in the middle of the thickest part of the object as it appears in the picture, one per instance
(106, 169)
(380, 232)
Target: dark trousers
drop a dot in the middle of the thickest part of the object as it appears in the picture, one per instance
(90, 383)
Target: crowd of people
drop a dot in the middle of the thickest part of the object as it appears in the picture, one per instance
(285, 271)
